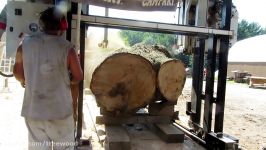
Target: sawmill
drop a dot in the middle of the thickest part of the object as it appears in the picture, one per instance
(136, 88)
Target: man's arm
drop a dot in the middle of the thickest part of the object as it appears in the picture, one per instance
(18, 69)
(74, 67)
(77, 76)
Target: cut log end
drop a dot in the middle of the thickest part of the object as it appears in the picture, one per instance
(123, 82)
(171, 79)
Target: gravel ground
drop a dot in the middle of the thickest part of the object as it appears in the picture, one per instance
(13, 132)
(245, 116)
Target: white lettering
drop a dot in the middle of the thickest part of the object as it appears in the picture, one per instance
(155, 2)
(149, 3)
(144, 3)
(118, 2)
(170, 2)
(164, 3)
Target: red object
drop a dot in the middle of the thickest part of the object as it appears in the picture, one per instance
(2, 25)
(205, 72)
(64, 24)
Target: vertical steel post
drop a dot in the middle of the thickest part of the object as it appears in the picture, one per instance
(105, 40)
(81, 84)
(197, 76)
(73, 8)
(210, 73)
(223, 61)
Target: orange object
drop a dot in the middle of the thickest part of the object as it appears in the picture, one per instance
(75, 94)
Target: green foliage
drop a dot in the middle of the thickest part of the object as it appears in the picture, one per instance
(131, 37)
(247, 30)
(186, 59)
(134, 37)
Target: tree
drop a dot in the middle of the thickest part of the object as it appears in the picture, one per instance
(247, 30)
(134, 37)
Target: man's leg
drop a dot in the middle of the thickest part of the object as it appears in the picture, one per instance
(38, 139)
(61, 132)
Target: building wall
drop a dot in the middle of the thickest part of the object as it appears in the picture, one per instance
(254, 68)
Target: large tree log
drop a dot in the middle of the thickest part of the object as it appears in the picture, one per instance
(171, 75)
(123, 82)
(126, 80)
(171, 79)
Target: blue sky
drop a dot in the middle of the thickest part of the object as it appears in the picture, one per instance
(252, 11)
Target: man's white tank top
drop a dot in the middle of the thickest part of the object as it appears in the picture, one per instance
(47, 93)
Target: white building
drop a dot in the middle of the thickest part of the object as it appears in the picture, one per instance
(248, 55)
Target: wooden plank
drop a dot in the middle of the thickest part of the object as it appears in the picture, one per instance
(117, 138)
(169, 133)
(84, 148)
(257, 81)
(112, 120)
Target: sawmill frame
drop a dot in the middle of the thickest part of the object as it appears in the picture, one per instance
(218, 46)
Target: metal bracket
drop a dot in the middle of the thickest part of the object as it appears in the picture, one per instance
(221, 141)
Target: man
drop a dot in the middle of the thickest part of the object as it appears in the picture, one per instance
(43, 63)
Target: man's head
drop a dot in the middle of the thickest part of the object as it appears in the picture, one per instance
(52, 20)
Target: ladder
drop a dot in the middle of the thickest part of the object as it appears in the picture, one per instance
(6, 67)
(6, 64)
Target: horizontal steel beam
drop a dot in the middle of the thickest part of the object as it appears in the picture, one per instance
(151, 26)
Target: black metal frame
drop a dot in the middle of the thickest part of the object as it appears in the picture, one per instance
(211, 139)
(208, 97)
(214, 139)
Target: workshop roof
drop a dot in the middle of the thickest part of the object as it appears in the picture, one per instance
(249, 50)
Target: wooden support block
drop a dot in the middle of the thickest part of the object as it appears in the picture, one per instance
(84, 148)
(106, 113)
(117, 138)
(161, 109)
(110, 120)
(169, 133)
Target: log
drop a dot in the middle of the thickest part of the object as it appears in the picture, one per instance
(126, 79)
(171, 74)
(171, 79)
(123, 82)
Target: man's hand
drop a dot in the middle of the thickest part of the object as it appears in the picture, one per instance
(23, 84)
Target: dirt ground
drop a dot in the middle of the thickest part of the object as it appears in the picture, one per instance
(245, 116)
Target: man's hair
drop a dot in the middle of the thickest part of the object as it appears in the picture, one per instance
(50, 19)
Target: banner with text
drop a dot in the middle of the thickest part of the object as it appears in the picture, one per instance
(136, 5)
